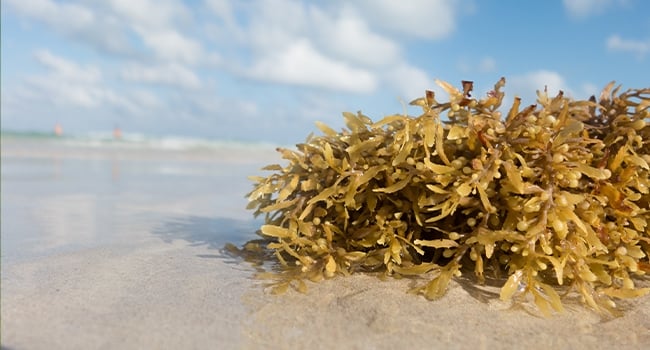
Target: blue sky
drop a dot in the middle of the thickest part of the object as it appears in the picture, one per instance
(267, 70)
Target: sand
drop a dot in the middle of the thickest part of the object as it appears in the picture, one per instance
(177, 296)
(146, 271)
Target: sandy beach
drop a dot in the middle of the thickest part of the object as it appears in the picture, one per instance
(121, 248)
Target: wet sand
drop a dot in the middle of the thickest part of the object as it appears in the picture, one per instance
(113, 248)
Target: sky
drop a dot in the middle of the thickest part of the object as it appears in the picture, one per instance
(266, 71)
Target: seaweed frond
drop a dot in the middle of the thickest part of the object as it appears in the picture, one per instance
(548, 195)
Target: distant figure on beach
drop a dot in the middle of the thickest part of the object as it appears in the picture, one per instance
(58, 130)
(117, 133)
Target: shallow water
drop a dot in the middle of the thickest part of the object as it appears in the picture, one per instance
(60, 196)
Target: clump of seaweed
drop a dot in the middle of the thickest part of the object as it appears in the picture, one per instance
(553, 196)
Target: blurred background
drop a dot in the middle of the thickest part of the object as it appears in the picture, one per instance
(265, 71)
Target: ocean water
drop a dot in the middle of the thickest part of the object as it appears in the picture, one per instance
(62, 194)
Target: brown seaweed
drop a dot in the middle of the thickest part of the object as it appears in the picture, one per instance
(554, 196)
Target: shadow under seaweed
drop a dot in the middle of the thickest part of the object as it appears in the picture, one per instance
(213, 232)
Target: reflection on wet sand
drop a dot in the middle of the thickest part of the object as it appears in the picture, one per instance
(60, 197)
(211, 231)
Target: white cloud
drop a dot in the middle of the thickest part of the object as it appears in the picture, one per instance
(223, 9)
(157, 25)
(67, 70)
(170, 45)
(302, 64)
(301, 44)
(172, 74)
(348, 36)
(149, 13)
(338, 47)
(275, 24)
(426, 19)
(341, 47)
(67, 17)
(587, 8)
(111, 26)
(638, 47)
(67, 83)
(225, 13)
(76, 21)
(48, 90)
(146, 100)
(526, 85)
(409, 81)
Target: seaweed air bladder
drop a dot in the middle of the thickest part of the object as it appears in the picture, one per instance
(553, 197)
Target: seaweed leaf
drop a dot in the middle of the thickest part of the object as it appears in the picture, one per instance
(436, 243)
(561, 184)
(276, 231)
